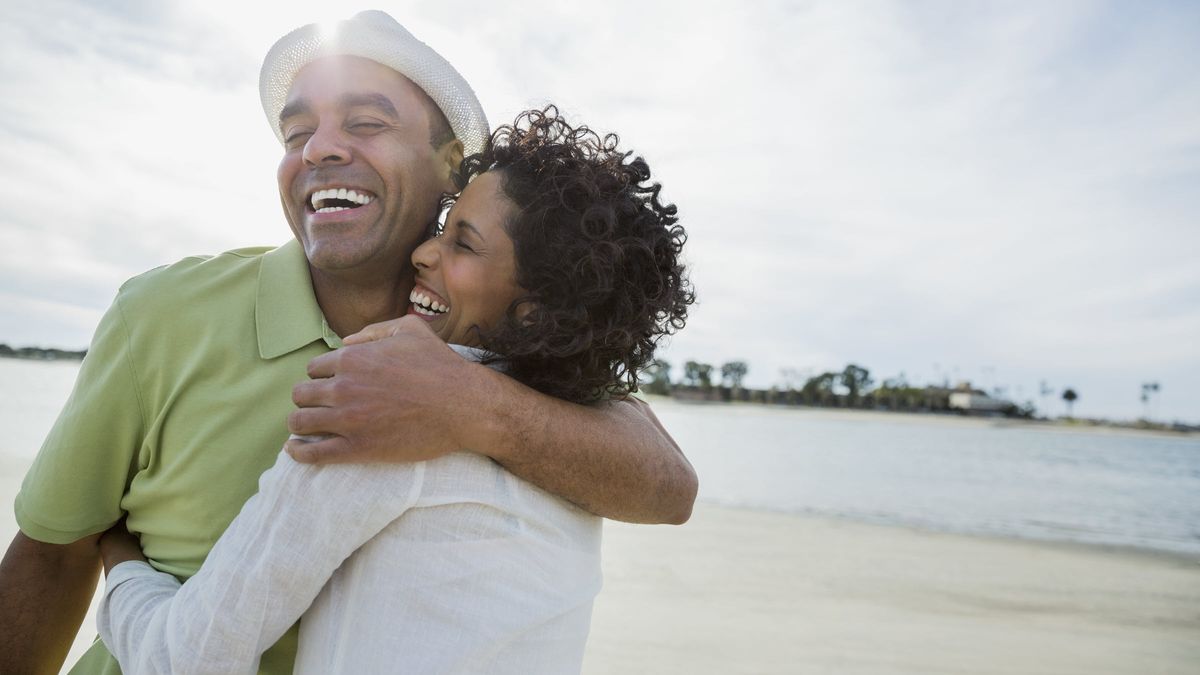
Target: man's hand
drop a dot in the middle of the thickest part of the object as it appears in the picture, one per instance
(393, 393)
(117, 545)
(397, 393)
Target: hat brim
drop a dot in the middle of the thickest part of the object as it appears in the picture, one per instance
(376, 36)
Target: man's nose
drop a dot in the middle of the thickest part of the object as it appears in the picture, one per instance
(326, 146)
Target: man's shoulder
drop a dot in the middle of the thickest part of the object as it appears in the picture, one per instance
(195, 282)
(196, 266)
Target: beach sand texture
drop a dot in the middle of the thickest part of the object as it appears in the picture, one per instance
(738, 591)
(749, 592)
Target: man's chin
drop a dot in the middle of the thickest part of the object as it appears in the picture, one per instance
(336, 257)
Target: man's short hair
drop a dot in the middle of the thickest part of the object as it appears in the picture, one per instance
(440, 131)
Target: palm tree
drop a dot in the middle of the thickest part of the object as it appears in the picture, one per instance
(1070, 396)
(733, 372)
(659, 372)
(698, 374)
(1148, 390)
(1045, 390)
(856, 379)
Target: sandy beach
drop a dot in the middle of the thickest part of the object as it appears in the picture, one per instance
(737, 591)
(749, 592)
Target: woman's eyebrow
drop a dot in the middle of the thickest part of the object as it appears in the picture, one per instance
(469, 226)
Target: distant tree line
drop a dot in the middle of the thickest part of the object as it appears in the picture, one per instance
(851, 387)
(40, 353)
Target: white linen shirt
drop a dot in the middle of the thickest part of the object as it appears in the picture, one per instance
(452, 565)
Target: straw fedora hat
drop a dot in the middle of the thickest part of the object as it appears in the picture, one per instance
(376, 36)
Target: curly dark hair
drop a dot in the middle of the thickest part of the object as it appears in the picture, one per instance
(596, 251)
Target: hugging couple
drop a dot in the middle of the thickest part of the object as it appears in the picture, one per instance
(457, 397)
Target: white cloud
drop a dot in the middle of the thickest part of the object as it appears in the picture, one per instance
(896, 184)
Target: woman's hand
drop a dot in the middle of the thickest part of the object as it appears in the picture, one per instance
(117, 545)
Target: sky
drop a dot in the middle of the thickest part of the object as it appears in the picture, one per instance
(1001, 192)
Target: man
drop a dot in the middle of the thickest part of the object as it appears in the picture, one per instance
(181, 402)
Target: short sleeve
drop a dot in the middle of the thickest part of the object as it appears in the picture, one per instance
(75, 485)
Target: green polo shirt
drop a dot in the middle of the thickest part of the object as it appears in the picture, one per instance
(180, 405)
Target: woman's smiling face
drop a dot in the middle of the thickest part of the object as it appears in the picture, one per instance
(466, 276)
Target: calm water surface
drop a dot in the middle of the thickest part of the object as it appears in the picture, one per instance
(934, 473)
(948, 473)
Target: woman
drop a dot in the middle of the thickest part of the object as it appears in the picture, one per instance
(558, 256)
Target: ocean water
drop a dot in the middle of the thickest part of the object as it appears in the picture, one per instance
(31, 394)
(944, 474)
(948, 474)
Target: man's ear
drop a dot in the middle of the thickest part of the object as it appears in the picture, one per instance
(450, 157)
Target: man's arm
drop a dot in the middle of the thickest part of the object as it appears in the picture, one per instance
(45, 590)
(397, 393)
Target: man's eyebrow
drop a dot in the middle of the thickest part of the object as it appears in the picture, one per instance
(371, 101)
(300, 107)
(292, 109)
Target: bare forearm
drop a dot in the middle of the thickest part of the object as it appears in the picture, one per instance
(45, 590)
(397, 393)
(613, 459)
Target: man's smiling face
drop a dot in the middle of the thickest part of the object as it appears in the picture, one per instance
(359, 179)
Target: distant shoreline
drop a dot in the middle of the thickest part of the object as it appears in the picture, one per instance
(41, 353)
(1175, 430)
(1062, 424)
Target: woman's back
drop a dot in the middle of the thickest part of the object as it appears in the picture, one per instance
(483, 573)
(447, 566)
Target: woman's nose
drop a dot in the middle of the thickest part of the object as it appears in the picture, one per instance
(426, 255)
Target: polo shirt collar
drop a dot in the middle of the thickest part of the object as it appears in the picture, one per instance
(286, 314)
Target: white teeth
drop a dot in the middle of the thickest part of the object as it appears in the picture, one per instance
(338, 193)
(423, 304)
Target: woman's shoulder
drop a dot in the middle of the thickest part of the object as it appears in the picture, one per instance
(471, 478)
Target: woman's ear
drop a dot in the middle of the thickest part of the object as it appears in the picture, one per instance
(525, 312)
(450, 157)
